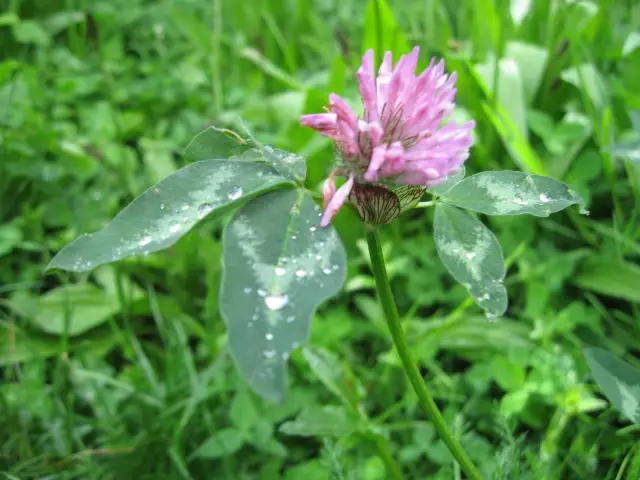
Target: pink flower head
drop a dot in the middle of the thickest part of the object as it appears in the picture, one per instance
(399, 139)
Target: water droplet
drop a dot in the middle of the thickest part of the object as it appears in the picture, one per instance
(262, 292)
(520, 201)
(293, 237)
(312, 229)
(162, 206)
(486, 296)
(185, 219)
(544, 198)
(470, 255)
(301, 273)
(185, 208)
(290, 318)
(235, 193)
(259, 174)
(268, 148)
(492, 317)
(269, 353)
(145, 241)
(285, 356)
(279, 271)
(456, 250)
(204, 210)
(269, 336)
(335, 267)
(247, 290)
(327, 271)
(318, 257)
(276, 302)
(254, 317)
(284, 259)
(175, 228)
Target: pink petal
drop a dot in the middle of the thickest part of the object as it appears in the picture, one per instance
(382, 83)
(329, 189)
(343, 111)
(401, 80)
(366, 79)
(324, 123)
(337, 201)
(393, 160)
(374, 130)
(377, 158)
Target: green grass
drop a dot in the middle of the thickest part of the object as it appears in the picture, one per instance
(97, 101)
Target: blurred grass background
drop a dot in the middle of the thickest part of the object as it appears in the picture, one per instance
(123, 372)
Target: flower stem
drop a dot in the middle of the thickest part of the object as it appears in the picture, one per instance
(410, 367)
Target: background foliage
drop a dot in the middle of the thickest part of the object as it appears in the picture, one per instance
(123, 372)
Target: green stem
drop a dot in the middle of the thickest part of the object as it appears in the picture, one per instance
(410, 367)
(393, 469)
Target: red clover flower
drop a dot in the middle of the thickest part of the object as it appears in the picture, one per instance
(398, 140)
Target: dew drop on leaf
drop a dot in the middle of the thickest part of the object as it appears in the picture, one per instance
(327, 271)
(520, 201)
(544, 198)
(145, 241)
(492, 317)
(470, 255)
(247, 290)
(261, 292)
(301, 273)
(175, 228)
(276, 302)
(269, 353)
(162, 206)
(235, 193)
(269, 336)
(204, 209)
(279, 271)
(312, 229)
